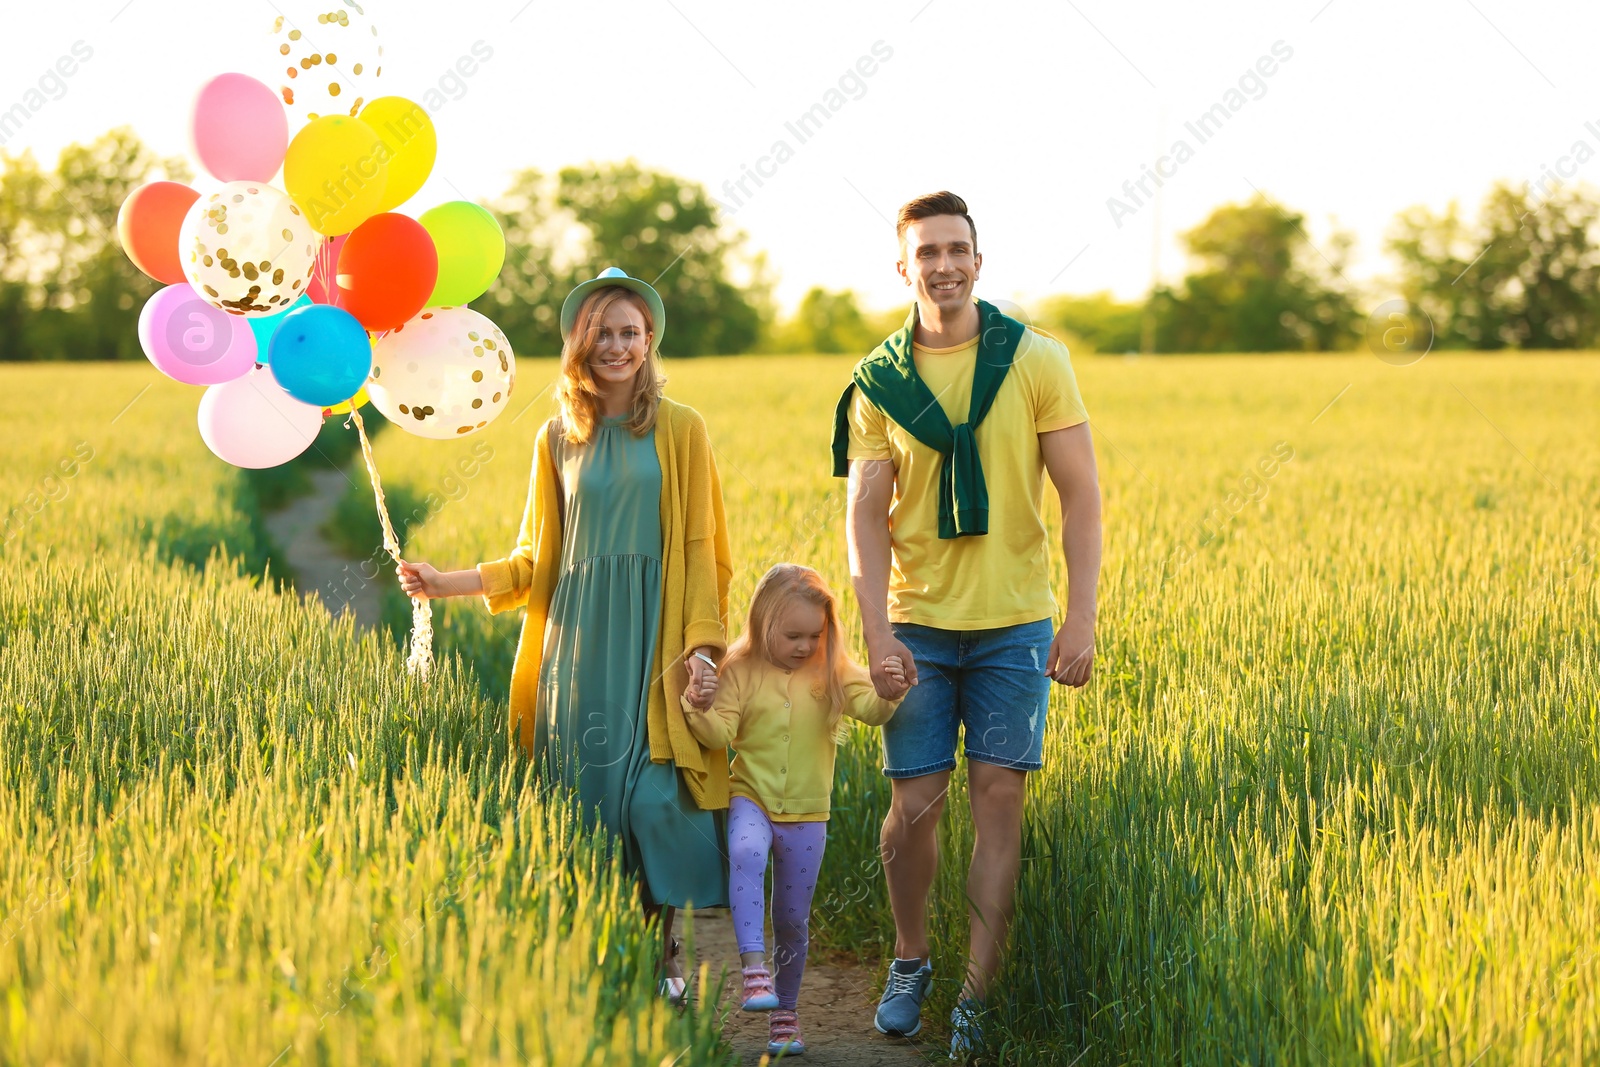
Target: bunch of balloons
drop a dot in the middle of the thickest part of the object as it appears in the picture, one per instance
(294, 288)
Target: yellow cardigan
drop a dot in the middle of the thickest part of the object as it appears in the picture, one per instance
(777, 721)
(697, 567)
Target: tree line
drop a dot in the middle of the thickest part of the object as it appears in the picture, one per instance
(1522, 274)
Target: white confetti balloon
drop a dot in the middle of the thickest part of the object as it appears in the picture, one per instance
(446, 373)
(247, 249)
(328, 58)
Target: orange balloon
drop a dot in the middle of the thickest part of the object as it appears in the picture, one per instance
(148, 225)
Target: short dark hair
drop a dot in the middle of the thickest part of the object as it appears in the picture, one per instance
(943, 202)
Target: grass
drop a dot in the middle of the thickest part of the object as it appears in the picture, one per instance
(1333, 795)
(236, 831)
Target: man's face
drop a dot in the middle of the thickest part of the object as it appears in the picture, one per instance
(939, 262)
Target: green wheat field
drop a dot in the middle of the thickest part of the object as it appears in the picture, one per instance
(1332, 796)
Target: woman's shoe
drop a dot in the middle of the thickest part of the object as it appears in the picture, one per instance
(783, 1034)
(676, 990)
(759, 994)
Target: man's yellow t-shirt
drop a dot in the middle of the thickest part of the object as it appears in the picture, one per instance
(996, 579)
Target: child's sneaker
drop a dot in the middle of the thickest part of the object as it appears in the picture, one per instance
(966, 1032)
(783, 1034)
(758, 992)
(900, 1008)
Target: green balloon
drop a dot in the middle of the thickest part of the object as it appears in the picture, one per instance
(471, 251)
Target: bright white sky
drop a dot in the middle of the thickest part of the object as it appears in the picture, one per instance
(1035, 112)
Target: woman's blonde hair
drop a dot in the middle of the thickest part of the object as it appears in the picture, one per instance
(576, 391)
(781, 586)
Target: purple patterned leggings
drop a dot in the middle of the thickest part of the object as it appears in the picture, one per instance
(796, 849)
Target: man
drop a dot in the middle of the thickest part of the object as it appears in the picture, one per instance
(946, 432)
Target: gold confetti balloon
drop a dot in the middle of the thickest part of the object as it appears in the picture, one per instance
(446, 373)
(328, 58)
(247, 249)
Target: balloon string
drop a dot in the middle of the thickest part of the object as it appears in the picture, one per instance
(420, 661)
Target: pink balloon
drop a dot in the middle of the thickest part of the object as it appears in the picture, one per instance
(239, 129)
(193, 342)
(323, 285)
(252, 422)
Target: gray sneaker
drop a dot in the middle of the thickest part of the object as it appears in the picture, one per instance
(900, 1007)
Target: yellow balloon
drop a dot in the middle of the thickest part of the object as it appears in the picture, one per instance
(336, 170)
(407, 133)
(343, 407)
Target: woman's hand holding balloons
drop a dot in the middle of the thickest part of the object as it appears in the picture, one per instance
(419, 580)
(424, 581)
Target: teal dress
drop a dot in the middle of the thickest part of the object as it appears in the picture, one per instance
(596, 679)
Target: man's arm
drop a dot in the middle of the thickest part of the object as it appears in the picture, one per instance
(867, 532)
(1069, 459)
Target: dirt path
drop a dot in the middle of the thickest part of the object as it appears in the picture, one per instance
(317, 566)
(836, 1004)
(838, 996)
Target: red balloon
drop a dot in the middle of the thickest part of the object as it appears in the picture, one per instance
(148, 226)
(321, 288)
(386, 271)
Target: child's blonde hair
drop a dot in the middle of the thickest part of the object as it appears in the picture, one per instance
(781, 586)
(575, 389)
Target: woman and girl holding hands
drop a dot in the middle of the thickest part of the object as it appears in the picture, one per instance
(627, 691)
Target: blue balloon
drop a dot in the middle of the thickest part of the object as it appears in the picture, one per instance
(321, 355)
(265, 326)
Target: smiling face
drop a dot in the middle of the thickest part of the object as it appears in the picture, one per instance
(797, 634)
(940, 261)
(619, 343)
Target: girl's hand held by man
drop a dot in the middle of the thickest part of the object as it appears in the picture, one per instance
(898, 684)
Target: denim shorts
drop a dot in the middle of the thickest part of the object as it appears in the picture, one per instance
(991, 683)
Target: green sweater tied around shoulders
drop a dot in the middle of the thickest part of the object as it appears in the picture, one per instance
(888, 378)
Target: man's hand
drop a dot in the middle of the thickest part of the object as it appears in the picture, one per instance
(1069, 457)
(867, 536)
(1071, 659)
(894, 669)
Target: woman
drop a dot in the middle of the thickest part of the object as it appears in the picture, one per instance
(623, 566)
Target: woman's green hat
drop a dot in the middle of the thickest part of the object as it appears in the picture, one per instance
(618, 277)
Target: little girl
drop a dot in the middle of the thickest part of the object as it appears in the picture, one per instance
(782, 691)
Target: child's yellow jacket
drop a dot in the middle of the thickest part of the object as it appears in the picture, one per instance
(777, 721)
(697, 566)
